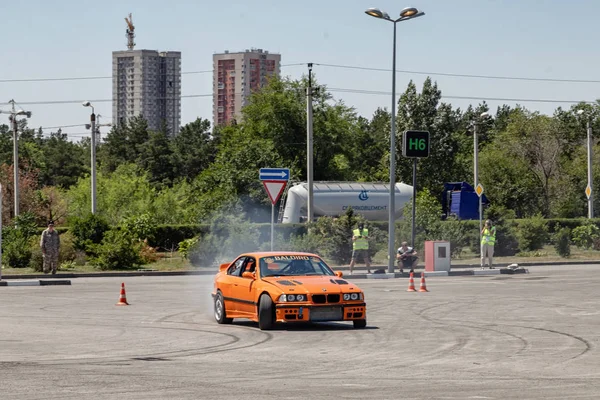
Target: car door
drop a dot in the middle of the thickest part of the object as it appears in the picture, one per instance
(245, 288)
(227, 284)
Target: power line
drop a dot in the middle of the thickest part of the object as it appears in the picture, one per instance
(355, 67)
(516, 100)
(340, 90)
(516, 78)
(48, 102)
(82, 78)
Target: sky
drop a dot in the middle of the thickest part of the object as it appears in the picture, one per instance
(543, 39)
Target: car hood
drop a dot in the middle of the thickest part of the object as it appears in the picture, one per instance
(312, 284)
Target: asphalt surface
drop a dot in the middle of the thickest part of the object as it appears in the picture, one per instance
(530, 336)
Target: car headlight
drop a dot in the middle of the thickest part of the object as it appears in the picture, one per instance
(353, 296)
(291, 297)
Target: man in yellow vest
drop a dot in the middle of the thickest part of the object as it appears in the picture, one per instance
(488, 240)
(360, 246)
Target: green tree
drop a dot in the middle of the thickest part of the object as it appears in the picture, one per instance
(156, 157)
(193, 149)
(63, 161)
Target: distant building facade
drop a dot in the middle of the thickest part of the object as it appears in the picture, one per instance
(147, 83)
(236, 76)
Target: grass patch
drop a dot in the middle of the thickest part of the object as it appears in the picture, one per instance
(167, 262)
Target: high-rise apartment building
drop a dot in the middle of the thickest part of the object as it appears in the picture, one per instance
(147, 83)
(236, 76)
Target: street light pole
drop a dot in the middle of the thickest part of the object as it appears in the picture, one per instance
(590, 177)
(392, 200)
(589, 171)
(405, 14)
(93, 151)
(309, 145)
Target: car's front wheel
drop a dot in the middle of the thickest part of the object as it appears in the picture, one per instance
(266, 313)
(360, 323)
(220, 315)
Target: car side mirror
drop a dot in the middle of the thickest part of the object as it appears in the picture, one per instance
(339, 274)
(249, 275)
(223, 267)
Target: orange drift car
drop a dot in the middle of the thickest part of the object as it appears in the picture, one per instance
(271, 287)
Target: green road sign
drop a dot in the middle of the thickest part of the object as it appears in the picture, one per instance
(415, 144)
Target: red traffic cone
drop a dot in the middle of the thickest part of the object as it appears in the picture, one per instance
(123, 297)
(411, 284)
(423, 288)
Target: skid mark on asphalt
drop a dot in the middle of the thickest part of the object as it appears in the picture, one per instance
(526, 345)
(229, 345)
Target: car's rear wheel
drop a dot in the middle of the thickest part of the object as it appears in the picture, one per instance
(360, 323)
(220, 314)
(266, 313)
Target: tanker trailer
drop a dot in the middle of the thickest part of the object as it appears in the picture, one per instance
(371, 200)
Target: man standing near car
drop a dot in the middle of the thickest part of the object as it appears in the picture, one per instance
(50, 244)
(360, 246)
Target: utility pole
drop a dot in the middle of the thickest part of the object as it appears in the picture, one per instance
(309, 144)
(15, 157)
(15, 126)
(93, 151)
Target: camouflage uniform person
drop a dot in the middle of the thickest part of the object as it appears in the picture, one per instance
(50, 244)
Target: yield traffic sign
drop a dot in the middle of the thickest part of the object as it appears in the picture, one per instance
(274, 174)
(274, 189)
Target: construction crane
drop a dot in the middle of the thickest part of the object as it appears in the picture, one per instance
(130, 32)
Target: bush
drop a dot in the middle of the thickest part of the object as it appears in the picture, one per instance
(67, 251)
(117, 251)
(17, 240)
(88, 231)
(168, 237)
(16, 248)
(584, 236)
(148, 254)
(140, 227)
(187, 246)
(457, 233)
(36, 262)
(533, 234)
(562, 242)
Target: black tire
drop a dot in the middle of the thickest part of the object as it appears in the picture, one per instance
(360, 323)
(220, 314)
(266, 313)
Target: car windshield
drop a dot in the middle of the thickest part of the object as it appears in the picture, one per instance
(293, 265)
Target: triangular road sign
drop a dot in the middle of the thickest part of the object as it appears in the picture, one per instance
(274, 189)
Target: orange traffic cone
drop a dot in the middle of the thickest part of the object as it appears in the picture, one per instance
(423, 288)
(411, 284)
(123, 297)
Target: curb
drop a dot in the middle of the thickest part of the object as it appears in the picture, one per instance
(55, 282)
(429, 274)
(108, 274)
(477, 265)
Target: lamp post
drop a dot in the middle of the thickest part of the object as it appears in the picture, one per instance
(476, 166)
(13, 119)
(590, 178)
(93, 151)
(405, 14)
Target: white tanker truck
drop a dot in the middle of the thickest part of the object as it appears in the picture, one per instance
(371, 200)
